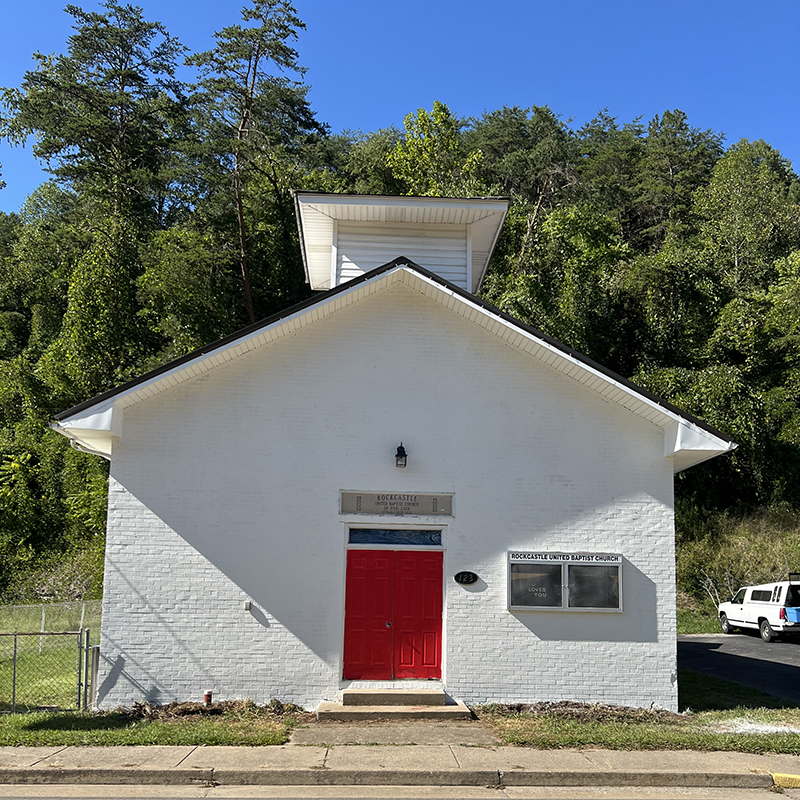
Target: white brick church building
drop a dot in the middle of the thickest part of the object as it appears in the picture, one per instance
(391, 485)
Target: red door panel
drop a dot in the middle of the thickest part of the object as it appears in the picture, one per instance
(430, 650)
(368, 609)
(418, 614)
(403, 589)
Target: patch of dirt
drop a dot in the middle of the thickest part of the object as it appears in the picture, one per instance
(275, 709)
(581, 712)
(747, 726)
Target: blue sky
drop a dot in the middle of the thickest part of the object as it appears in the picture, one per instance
(731, 65)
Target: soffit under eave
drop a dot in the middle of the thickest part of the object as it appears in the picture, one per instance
(691, 458)
(93, 441)
(563, 363)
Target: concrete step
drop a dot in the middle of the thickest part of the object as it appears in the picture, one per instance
(343, 713)
(393, 697)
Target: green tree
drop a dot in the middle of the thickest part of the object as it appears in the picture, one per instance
(103, 338)
(368, 164)
(430, 160)
(675, 296)
(104, 117)
(35, 272)
(9, 230)
(609, 168)
(251, 113)
(747, 217)
(722, 396)
(52, 498)
(188, 290)
(566, 286)
(528, 154)
(677, 159)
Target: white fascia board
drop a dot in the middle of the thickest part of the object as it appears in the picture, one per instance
(684, 442)
(324, 202)
(687, 445)
(94, 430)
(102, 417)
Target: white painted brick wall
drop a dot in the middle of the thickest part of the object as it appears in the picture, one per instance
(226, 489)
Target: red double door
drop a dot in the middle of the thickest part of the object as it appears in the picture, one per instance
(393, 615)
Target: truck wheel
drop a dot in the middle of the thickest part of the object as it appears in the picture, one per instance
(767, 634)
(724, 624)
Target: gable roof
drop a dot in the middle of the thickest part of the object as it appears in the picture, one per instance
(96, 424)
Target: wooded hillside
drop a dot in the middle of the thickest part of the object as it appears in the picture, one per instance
(650, 246)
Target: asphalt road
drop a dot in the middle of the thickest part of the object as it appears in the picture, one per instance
(744, 658)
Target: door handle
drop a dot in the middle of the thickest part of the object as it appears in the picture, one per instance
(388, 624)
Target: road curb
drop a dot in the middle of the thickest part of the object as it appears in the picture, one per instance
(707, 780)
(348, 777)
(389, 777)
(112, 776)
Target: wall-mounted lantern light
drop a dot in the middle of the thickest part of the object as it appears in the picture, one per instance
(400, 457)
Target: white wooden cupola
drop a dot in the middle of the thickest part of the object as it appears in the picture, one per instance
(344, 236)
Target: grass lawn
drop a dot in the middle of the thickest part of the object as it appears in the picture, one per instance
(714, 714)
(717, 715)
(692, 621)
(232, 723)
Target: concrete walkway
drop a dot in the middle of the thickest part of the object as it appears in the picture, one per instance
(417, 765)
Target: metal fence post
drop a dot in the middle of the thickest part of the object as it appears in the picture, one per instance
(95, 656)
(80, 666)
(14, 678)
(86, 657)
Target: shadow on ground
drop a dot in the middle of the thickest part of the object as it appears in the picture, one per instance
(73, 721)
(700, 692)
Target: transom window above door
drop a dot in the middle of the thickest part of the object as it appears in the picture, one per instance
(395, 536)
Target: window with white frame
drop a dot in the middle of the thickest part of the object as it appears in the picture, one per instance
(564, 581)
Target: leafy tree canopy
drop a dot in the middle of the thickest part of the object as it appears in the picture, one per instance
(104, 115)
(169, 222)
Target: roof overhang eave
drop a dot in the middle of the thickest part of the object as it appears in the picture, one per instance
(95, 442)
(687, 445)
(95, 426)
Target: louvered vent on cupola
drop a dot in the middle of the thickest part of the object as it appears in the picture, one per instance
(344, 236)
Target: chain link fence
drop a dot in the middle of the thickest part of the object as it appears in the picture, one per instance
(52, 618)
(48, 656)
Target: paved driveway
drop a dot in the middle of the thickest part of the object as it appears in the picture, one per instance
(744, 658)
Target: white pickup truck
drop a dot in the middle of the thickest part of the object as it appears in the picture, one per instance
(773, 609)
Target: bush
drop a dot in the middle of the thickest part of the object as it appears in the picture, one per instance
(718, 555)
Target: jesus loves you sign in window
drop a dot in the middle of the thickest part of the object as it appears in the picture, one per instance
(564, 581)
